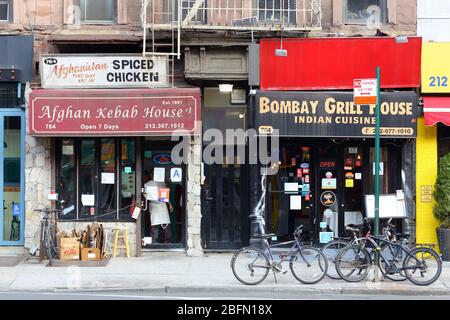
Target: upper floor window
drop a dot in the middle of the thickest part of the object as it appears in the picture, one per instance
(365, 12)
(277, 11)
(101, 11)
(5, 10)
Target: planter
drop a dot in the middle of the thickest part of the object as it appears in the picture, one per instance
(443, 236)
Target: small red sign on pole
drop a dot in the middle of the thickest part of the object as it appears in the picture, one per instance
(365, 91)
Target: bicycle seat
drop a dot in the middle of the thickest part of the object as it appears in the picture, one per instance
(351, 229)
(267, 235)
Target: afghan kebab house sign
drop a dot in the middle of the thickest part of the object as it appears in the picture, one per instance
(103, 71)
(130, 112)
(333, 114)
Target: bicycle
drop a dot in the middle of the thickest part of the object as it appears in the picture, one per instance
(48, 234)
(251, 265)
(415, 264)
(331, 248)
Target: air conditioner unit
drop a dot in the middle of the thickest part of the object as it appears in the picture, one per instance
(250, 21)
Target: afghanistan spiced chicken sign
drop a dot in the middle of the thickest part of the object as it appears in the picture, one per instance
(333, 114)
(125, 112)
(103, 71)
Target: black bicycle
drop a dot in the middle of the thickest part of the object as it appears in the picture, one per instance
(48, 234)
(332, 248)
(422, 265)
(251, 265)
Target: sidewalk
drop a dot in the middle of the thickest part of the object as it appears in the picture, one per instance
(174, 272)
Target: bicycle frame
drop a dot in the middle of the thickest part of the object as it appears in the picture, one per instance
(296, 246)
(399, 248)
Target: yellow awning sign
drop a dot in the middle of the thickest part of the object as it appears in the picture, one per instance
(436, 67)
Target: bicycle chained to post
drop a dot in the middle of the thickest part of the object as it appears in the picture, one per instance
(421, 265)
(332, 248)
(251, 265)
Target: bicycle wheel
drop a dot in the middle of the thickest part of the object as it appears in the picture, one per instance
(331, 250)
(48, 245)
(390, 266)
(422, 266)
(352, 263)
(250, 265)
(308, 265)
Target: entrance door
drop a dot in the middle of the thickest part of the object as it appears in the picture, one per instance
(12, 177)
(329, 184)
(352, 206)
(157, 166)
(290, 193)
(225, 206)
(341, 177)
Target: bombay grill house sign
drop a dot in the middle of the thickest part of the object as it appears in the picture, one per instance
(333, 114)
(125, 112)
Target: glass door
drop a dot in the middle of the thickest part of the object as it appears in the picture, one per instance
(12, 180)
(353, 190)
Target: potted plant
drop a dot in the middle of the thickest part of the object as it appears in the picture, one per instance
(442, 206)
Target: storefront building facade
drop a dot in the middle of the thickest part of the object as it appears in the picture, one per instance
(435, 123)
(325, 172)
(105, 144)
(16, 53)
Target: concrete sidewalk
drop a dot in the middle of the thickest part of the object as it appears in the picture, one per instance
(174, 272)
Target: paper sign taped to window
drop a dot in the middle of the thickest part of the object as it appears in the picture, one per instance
(67, 150)
(136, 213)
(88, 200)
(159, 174)
(296, 202)
(108, 178)
(175, 174)
(291, 187)
(163, 194)
(152, 193)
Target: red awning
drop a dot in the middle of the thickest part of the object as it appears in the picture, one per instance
(436, 109)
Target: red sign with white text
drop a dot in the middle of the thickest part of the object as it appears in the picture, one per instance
(333, 63)
(124, 112)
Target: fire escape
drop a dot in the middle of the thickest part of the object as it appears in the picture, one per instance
(163, 21)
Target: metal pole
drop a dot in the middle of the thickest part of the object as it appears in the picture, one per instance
(377, 156)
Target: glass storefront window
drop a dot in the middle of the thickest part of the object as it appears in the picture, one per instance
(87, 178)
(128, 177)
(107, 195)
(67, 178)
(100, 173)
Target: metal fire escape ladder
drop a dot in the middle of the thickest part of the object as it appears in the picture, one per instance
(166, 19)
(156, 19)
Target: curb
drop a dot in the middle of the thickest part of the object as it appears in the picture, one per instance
(168, 289)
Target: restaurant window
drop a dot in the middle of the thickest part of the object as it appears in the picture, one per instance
(277, 11)
(5, 10)
(390, 169)
(100, 11)
(365, 11)
(96, 178)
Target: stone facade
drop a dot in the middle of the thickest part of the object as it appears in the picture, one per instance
(193, 186)
(37, 186)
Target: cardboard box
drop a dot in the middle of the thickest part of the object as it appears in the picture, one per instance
(69, 249)
(90, 254)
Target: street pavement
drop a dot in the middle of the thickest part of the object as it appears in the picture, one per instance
(164, 274)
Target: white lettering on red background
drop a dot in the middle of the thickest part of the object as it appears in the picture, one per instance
(57, 114)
